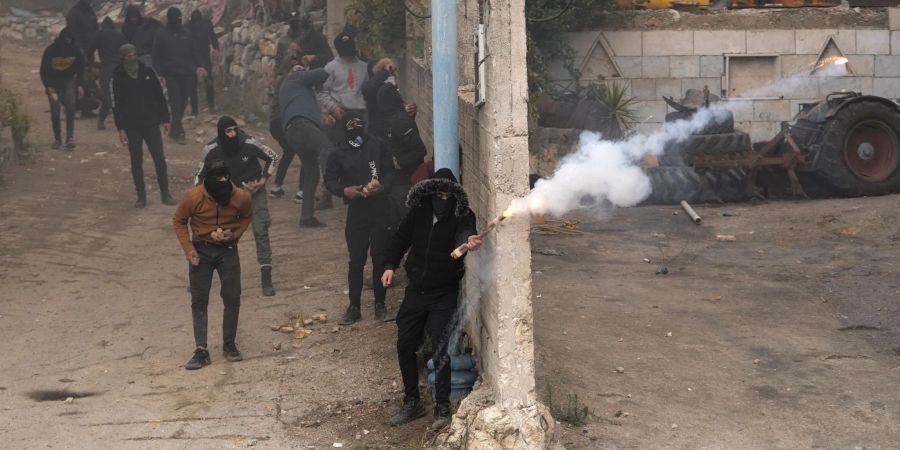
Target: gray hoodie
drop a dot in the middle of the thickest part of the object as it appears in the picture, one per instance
(297, 96)
(344, 86)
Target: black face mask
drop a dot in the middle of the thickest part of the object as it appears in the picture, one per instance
(442, 208)
(355, 137)
(219, 190)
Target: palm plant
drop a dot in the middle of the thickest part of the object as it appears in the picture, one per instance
(618, 110)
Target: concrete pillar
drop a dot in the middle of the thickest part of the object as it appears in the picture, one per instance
(495, 167)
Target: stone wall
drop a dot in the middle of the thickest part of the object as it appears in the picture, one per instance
(656, 63)
(31, 29)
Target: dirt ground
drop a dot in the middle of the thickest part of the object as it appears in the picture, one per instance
(786, 337)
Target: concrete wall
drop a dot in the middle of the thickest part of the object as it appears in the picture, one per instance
(669, 62)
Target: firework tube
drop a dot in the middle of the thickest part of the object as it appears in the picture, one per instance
(464, 248)
(690, 211)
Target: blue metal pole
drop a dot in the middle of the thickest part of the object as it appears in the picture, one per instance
(444, 78)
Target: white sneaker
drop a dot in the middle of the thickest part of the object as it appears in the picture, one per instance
(298, 197)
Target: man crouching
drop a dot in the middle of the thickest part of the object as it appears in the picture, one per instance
(219, 215)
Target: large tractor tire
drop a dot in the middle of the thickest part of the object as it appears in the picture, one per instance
(673, 184)
(859, 153)
(720, 146)
(725, 126)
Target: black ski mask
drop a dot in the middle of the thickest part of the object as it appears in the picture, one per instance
(345, 46)
(443, 208)
(230, 145)
(220, 191)
(354, 129)
(173, 17)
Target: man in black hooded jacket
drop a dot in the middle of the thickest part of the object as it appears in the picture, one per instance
(133, 21)
(439, 221)
(107, 44)
(358, 170)
(406, 146)
(242, 155)
(203, 36)
(81, 20)
(140, 110)
(175, 59)
(62, 70)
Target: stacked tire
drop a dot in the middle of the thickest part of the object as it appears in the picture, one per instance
(677, 178)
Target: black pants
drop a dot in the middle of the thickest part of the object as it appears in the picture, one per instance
(64, 97)
(105, 96)
(208, 86)
(226, 261)
(311, 144)
(287, 152)
(179, 88)
(366, 230)
(152, 136)
(434, 312)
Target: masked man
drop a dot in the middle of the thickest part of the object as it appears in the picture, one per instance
(358, 170)
(219, 214)
(242, 154)
(62, 70)
(174, 58)
(140, 112)
(439, 220)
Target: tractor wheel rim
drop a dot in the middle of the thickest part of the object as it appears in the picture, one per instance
(872, 151)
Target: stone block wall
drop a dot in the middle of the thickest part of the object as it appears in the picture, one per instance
(656, 63)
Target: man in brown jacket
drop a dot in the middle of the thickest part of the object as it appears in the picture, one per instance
(219, 215)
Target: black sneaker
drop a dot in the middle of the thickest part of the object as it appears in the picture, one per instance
(276, 192)
(351, 316)
(140, 203)
(442, 417)
(381, 313)
(168, 200)
(70, 144)
(411, 410)
(232, 353)
(200, 359)
(311, 222)
(57, 143)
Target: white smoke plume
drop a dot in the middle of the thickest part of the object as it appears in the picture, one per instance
(608, 172)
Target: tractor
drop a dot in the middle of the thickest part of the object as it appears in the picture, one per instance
(845, 145)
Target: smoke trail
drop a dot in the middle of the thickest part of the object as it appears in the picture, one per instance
(607, 173)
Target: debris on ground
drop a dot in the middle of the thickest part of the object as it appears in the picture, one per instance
(564, 226)
(725, 238)
(550, 252)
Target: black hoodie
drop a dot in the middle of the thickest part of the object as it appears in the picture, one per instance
(81, 20)
(402, 133)
(145, 35)
(107, 43)
(429, 265)
(356, 166)
(173, 52)
(138, 103)
(243, 164)
(62, 61)
(202, 36)
(133, 21)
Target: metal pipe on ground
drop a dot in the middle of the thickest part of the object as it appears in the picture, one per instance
(690, 212)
